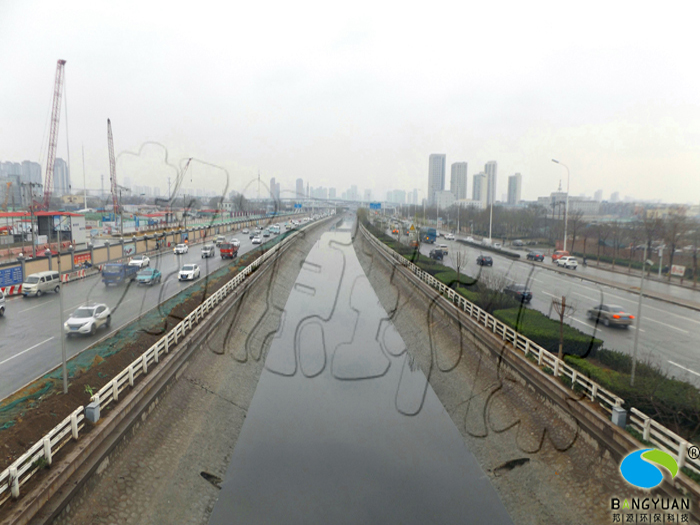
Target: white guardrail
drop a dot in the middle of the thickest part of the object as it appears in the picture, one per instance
(651, 431)
(17, 474)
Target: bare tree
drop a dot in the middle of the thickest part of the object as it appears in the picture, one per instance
(616, 234)
(676, 225)
(576, 224)
(563, 310)
(460, 260)
(603, 233)
(652, 228)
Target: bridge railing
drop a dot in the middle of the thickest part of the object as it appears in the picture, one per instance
(652, 431)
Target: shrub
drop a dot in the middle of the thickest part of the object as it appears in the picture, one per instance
(449, 277)
(545, 332)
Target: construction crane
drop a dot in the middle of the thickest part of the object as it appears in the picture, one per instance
(53, 132)
(112, 169)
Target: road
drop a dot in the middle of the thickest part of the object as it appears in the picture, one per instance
(30, 344)
(668, 333)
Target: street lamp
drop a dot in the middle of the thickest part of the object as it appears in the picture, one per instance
(566, 209)
(639, 316)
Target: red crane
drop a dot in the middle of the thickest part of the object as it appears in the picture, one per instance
(112, 170)
(53, 135)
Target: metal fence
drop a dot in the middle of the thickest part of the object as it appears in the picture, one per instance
(41, 454)
(652, 431)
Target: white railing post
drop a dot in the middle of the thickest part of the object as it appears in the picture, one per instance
(527, 347)
(539, 356)
(647, 428)
(131, 375)
(74, 425)
(47, 449)
(682, 453)
(556, 367)
(166, 344)
(573, 379)
(594, 392)
(14, 482)
(115, 390)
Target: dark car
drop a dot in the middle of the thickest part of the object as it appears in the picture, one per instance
(519, 292)
(437, 254)
(535, 256)
(484, 260)
(518, 242)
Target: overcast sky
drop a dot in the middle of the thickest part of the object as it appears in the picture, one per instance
(362, 93)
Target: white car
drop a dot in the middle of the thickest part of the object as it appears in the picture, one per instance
(257, 240)
(567, 262)
(139, 260)
(470, 239)
(87, 319)
(189, 272)
(180, 249)
(450, 237)
(235, 242)
(245, 230)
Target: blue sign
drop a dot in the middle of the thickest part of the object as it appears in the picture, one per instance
(10, 276)
(297, 205)
(375, 205)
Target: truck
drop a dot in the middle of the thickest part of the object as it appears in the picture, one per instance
(118, 273)
(228, 250)
(428, 235)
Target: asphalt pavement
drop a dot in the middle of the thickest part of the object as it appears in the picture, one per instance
(669, 333)
(30, 343)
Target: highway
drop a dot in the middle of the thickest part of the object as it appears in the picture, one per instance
(668, 333)
(30, 343)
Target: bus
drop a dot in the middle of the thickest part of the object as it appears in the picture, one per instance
(428, 235)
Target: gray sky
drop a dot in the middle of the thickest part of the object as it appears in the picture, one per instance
(363, 93)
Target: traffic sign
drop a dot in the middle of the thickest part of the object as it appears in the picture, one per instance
(297, 205)
(375, 205)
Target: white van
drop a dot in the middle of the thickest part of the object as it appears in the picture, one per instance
(2, 303)
(40, 283)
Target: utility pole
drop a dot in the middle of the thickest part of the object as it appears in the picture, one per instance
(30, 200)
(639, 318)
(84, 185)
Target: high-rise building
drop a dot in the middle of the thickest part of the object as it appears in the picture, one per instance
(31, 172)
(615, 196)
(491, 170)
(436, 175)
(458, 180)
(353, 194)
(444, 199)
(368, 196)
(331, 193)
(415, 196)
(598, 196)
(479, 188)
(515, 183)
(61, 178)
(272, 188)
(300, 189)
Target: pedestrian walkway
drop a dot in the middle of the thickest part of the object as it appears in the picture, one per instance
(343, 426)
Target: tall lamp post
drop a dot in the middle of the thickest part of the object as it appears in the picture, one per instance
(566, 208)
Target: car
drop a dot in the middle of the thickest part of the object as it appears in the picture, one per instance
(2, 303)
(443, 247)
(180, 249)
(39, 283)
(437, 254)
(567, 262)
(497, 245)
(208, 250)
(610, 315)
(257, 240)
(519, 292)
(470, 239)
(413, 244)
(149, 276)
(245, 231)
(535, 256)
(395, 231)
(258, 231)
(266, 233)
(87, 319)
(189, 272)
(518, 242)
(484, 260)
(219, 239)
(559, 254)
(450, 237)
(235, 242)
(252, 235)
(139, 260)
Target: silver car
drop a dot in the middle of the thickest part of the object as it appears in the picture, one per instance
(610, 314)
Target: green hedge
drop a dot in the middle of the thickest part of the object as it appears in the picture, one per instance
(673, 403)
(545, 332)
(449, 277)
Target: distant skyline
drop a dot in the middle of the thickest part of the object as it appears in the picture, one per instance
(343, 97)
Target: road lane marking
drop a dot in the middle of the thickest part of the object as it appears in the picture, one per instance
(37, 306)
(25, 351)
(666, 325)
(674, 364)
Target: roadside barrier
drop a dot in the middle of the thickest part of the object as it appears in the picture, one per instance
(651, 430)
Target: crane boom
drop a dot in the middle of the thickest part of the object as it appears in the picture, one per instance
(112, 168)
(53, 134)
